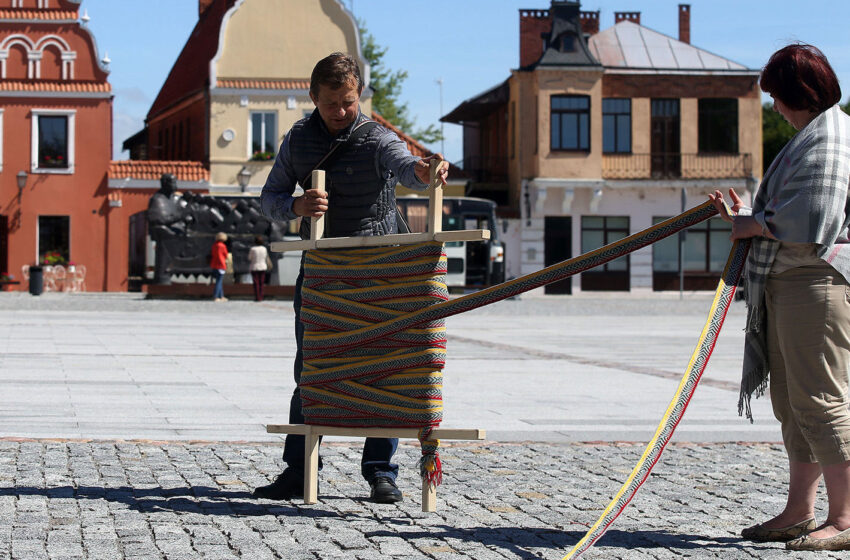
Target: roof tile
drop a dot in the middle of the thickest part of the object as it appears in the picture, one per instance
(54, 85)
(413, 145)
(153, 170)
(238, 83)
(29, 14)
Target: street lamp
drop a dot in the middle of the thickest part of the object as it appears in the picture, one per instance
(243, 177)
(22, 181)
(442, 137)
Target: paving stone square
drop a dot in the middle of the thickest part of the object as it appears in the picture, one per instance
(132, 429)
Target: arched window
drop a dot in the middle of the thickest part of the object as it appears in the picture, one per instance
(51, 63)
(17, 64)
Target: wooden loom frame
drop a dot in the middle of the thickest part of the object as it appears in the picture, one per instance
(312, 432)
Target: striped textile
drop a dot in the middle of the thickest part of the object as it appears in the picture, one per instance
(723, 297)
(393, 381)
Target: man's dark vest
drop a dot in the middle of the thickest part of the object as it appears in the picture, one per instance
(361, 200)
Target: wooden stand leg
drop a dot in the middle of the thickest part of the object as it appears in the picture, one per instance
(429, 497)
(311, 467)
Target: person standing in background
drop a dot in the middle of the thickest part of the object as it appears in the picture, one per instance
(259, 263)
(218, 264)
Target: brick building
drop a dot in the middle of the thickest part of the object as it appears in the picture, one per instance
(598, 134)
(55, 144)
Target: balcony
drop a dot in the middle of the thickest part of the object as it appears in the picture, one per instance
(677, 166)
(480, 169)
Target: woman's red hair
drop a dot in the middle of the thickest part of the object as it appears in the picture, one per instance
(800, 76)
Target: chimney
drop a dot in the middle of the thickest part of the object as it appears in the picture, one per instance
(590, 23)
(203, 5)
(633, 17)
(534, 27)
(685, 23)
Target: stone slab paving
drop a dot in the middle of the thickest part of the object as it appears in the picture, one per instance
(140, 500)
(135, 429)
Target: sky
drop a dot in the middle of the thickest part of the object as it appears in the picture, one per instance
(469, 45)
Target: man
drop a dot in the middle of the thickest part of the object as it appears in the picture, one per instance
(362, 181)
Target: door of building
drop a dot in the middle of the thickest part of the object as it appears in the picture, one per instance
(137, 251)
(4, 244)
(558, 243)
(665, 145)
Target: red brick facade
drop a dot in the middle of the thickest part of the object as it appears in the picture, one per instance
(637, 85)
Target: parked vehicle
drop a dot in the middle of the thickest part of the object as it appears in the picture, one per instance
(473, 264)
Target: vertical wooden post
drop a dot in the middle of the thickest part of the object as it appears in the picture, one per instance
(435, 199)
(317, 225)
(311, 467)
(429, 497)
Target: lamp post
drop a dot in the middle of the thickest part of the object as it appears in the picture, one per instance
(22, 182)
(243, 177)
(442, 138)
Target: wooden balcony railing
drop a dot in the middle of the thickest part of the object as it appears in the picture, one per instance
(677, 166)
(484, 169)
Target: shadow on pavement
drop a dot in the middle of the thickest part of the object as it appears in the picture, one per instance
(518, 540)
(195, 499)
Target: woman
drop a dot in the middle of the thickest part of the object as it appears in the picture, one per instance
(218, 264)
(798, 320)
(258, 260)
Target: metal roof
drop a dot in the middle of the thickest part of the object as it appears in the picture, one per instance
(628, 45)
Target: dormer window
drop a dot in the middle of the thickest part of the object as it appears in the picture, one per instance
(567, 43)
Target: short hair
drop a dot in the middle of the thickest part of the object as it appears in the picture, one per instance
(221, 236)
(258, 240)
(335, 70)
(800, 76)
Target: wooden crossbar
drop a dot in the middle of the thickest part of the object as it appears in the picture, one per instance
(435, 225)
(312, 433)
(379, 240)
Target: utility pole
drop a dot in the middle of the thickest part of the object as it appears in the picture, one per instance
(442, 136)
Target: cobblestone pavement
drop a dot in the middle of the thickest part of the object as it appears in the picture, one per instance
(151, 500)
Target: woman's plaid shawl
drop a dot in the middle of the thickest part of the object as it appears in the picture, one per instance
(802, 199)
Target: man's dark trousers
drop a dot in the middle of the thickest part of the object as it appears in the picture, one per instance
(377, 452)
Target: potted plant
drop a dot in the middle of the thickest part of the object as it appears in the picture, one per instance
(262, 156)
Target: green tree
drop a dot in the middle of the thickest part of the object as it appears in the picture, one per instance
(775, 132)
(386, 84)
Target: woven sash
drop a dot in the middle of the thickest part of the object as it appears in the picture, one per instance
(392, 381)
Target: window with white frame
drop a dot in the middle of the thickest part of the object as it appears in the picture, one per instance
(263, 135)
(52, 141)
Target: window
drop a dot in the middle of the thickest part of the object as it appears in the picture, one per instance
(52, 141)
(568, 43)
(263, 135)
(718, 125)
(1, 139)
(616, 126)
(53, 239)
(707, 246)
(570, 122)
(597, 231)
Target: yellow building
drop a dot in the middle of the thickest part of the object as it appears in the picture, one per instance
(241, 82)
(600, 134)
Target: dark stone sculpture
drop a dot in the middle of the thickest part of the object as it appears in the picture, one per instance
(184, 229)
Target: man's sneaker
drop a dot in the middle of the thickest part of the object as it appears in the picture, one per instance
(384, 490)
(288, 485)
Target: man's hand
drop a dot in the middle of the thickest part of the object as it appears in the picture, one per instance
(313, 203)
(423, 169)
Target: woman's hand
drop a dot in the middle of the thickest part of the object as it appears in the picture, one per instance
(744, 227)
(737, 204)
